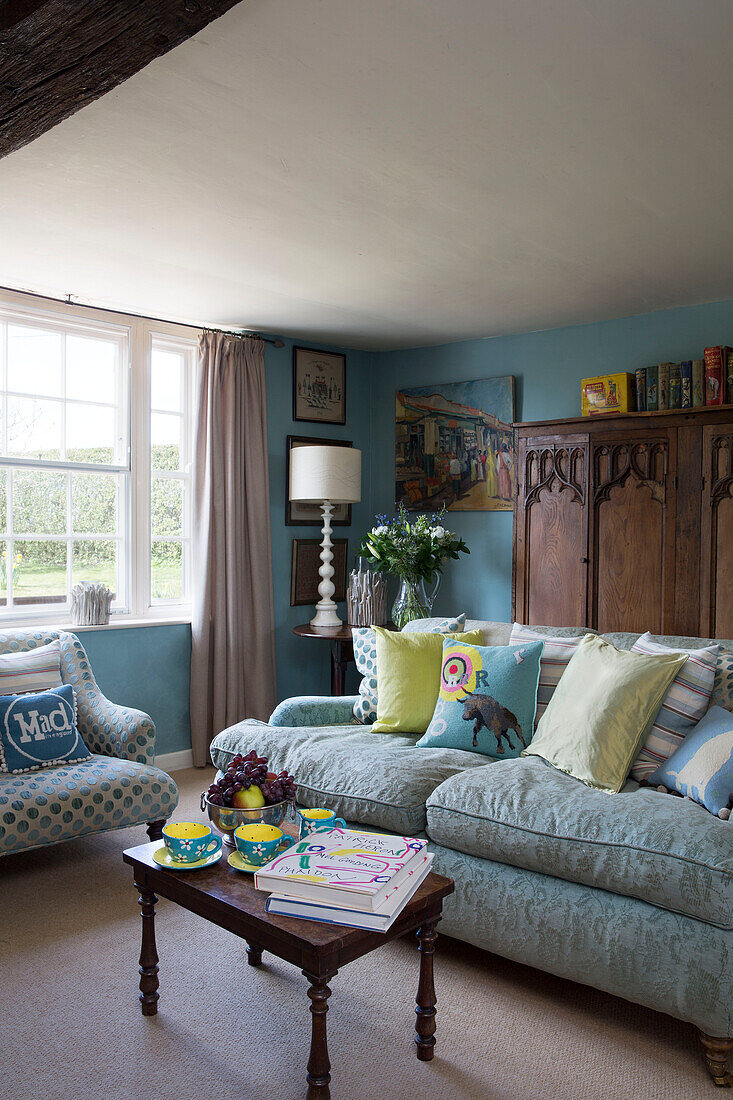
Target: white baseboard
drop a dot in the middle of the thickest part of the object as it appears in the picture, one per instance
(174, 761)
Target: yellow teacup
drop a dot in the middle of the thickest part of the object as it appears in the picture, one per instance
(259, 843)
(189, 841)
(319, 818)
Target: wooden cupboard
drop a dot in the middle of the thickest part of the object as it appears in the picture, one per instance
(626, 523)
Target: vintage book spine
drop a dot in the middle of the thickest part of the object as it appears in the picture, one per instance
(652, 397)
(714, 375)
(663, 386)
(641, 390)
(698, 383)
(675, 386)
(729, 376)
(686, 383)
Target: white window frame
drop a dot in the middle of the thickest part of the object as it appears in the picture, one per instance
(140, 334)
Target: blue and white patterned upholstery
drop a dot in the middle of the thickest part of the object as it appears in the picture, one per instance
(118, 786)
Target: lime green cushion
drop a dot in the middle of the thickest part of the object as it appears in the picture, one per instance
(602, 710)
(408, 670)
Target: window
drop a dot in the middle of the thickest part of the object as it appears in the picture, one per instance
(95, 453)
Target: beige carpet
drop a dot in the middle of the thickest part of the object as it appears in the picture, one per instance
(71, 1025)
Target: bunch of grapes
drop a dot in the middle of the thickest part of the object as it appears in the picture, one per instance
(247, 771)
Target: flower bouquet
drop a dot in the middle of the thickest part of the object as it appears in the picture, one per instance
(415, 548)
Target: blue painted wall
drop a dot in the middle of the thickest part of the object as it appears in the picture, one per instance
(147, 667)
(548, 367)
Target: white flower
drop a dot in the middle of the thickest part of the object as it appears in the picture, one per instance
(439, 533)
(381, 530)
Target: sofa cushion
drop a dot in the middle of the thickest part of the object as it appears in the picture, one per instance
(72, 800)
(370, 778)
(640, 843)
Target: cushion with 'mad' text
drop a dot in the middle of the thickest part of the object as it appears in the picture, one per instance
(39, 730)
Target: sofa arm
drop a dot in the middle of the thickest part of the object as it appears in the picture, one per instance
(106, 727)
(315, 710)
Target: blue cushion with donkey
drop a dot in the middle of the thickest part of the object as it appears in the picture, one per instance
(487, 698)
(39, 730)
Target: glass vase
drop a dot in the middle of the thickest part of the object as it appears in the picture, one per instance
(412, 601)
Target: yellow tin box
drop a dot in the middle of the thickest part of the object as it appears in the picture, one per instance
(610, 393)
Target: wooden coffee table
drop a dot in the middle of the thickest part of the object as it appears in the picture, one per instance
(228, 898)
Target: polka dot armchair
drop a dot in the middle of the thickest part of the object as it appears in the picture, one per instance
(117, 787)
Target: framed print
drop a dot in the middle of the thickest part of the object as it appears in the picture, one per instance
(304, 566)
(298, 514)
(319, 386)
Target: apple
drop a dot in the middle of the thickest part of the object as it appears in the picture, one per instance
(248, 798)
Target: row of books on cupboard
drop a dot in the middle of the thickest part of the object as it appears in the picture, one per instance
(691, 384)
(351, 877)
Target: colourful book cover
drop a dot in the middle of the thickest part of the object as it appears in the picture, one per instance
(698, 383)
(641, 389)
(714, 388)
(652, 397)
(686, 384)
(675, 387)
(729, 376)
(663, 385)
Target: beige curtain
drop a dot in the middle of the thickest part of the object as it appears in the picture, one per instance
(233, 654)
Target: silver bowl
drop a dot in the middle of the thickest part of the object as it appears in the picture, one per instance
(226, 818)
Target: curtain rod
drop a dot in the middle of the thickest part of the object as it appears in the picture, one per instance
(68, 301)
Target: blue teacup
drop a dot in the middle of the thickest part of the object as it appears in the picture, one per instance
(259, 843)
(312, 821)
(189, 841)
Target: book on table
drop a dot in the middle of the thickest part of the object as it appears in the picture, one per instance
(343, 867)
(380, 919)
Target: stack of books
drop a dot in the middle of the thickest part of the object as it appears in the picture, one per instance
(346, 876)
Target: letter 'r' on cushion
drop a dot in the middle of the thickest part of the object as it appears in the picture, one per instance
(602, 710)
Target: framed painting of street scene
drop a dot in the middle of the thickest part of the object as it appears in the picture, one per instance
(319, 386)
(453, 446)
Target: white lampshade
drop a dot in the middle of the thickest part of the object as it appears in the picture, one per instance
(325, 473)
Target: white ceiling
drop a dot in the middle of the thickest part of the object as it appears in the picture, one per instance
(385, 173)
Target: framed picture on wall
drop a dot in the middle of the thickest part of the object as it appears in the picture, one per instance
(319, 386)
(304, 566)
(298, 514)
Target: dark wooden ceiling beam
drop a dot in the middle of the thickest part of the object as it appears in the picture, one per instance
(56, 56)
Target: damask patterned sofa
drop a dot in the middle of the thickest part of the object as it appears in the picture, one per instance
(630, 893)
(117, 787)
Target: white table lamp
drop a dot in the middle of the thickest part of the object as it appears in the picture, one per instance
(325, 476)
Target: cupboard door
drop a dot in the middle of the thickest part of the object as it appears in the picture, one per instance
(632, 532)
(716, 565)
(551, 531)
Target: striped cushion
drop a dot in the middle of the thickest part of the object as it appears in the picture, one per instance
(554, 660)
(33, 670)
(684, 705)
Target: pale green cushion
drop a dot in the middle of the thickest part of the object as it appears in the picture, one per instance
(602, 710)
(408, 669)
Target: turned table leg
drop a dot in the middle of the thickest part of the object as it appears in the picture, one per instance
(318, 1063)
(716, 1055)
(425, 1000)
(254, 955)
(155, 829)
(148, 954)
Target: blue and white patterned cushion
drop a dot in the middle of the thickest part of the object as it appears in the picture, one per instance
(38, 730)
(365, 656)
(684, 704)
(702, 766)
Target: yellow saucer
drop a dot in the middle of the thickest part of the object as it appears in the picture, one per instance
(239, 863)
(164, 859)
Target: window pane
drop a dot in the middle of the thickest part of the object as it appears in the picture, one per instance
(3, 501)
(91, 369)
(94, 561)
(39, 503)
(166, 380)
(166, 506)
(166, 570)
(94, 504)
(35, 361)
(165, 441)
(90, 433)
(34, 428)
(3, 573)
(39, 572)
